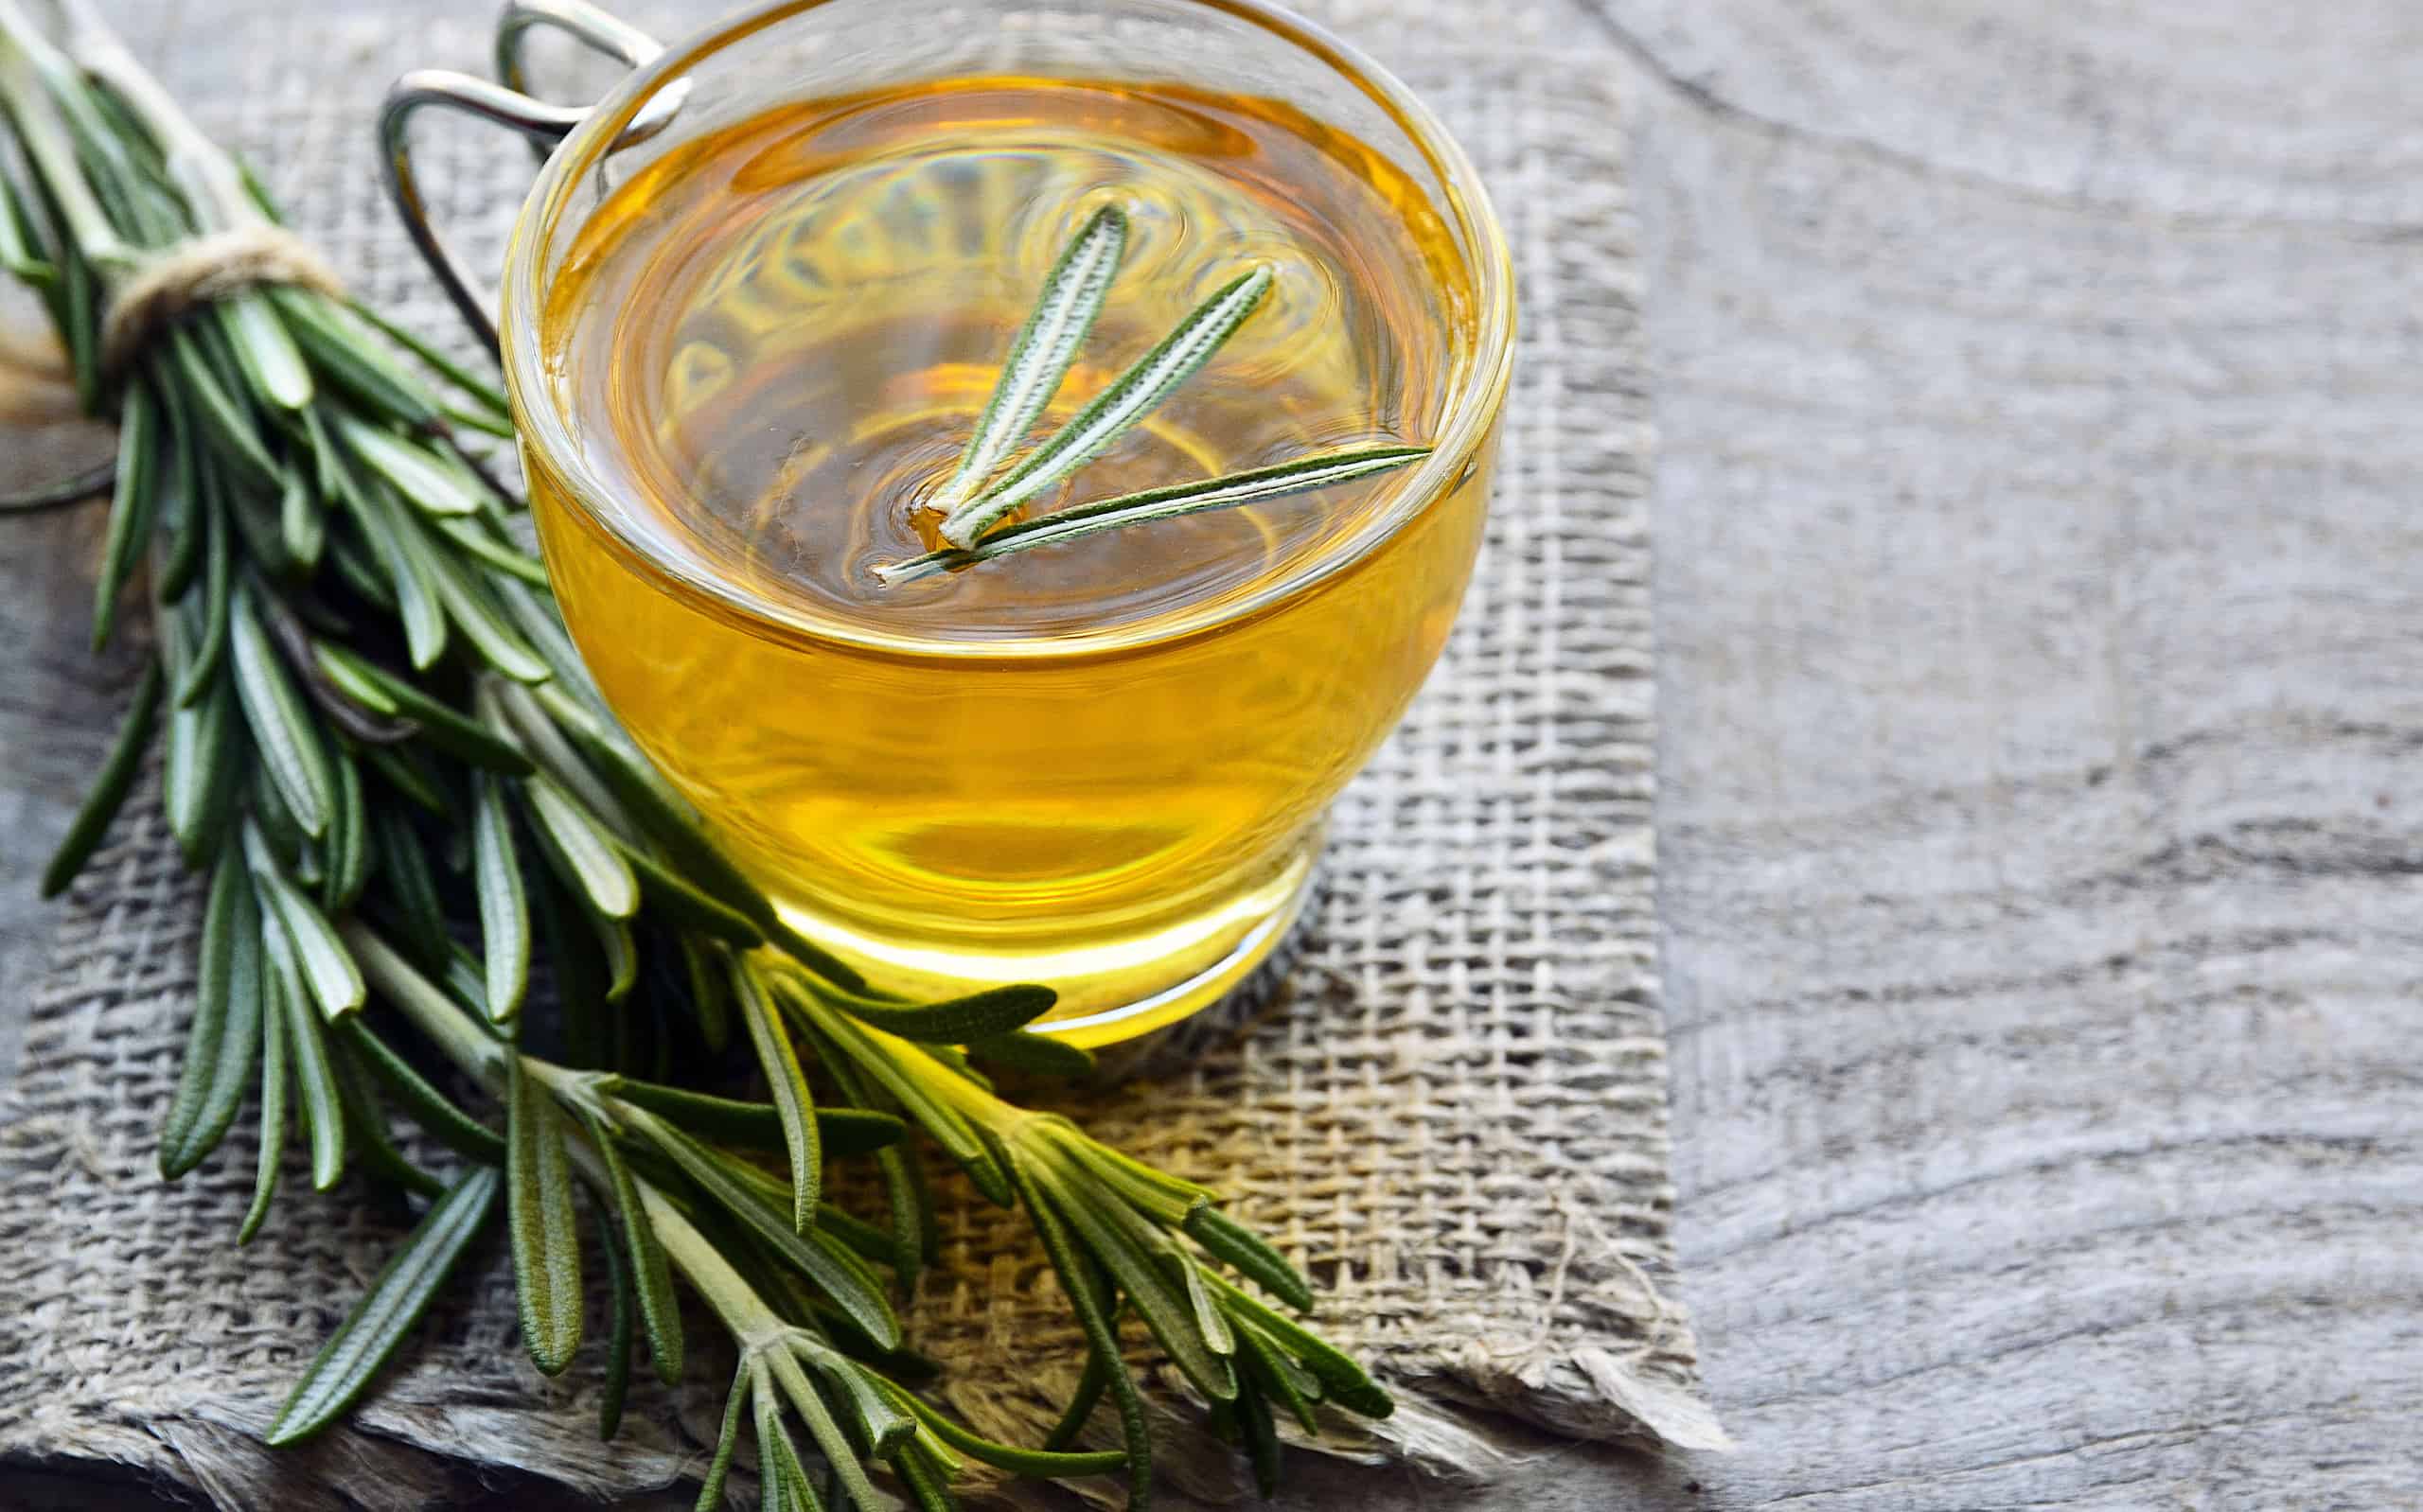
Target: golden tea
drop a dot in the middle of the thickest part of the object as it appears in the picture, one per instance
(1098, 764)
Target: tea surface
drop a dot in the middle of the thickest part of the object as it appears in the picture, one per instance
(777, 338)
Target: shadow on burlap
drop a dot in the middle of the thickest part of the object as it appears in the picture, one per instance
(1453, 1113)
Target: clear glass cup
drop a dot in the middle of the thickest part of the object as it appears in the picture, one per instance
(1146, 798)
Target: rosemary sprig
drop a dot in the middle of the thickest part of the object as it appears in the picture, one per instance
(366, 690)
(1303, 476)
(1040, 358)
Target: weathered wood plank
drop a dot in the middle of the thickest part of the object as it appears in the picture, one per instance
(2042, 676)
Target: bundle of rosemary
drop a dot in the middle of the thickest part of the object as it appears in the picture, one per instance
(361, 687)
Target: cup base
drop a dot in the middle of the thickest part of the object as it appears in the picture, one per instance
(1109, 991)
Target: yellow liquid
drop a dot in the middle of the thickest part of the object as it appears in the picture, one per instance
(774, 342)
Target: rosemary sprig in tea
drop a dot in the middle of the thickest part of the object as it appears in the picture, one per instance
(361, 686)
(1038, 361)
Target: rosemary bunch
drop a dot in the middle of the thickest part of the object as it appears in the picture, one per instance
(362, 693)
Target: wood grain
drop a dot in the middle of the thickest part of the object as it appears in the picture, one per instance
(2042, 674)
(2042, 679)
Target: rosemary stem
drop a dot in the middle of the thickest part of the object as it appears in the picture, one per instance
(743, 1312)
(467, 1045)
(42, 131)
(213, 187)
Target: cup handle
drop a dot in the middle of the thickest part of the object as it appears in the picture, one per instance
(509, 105)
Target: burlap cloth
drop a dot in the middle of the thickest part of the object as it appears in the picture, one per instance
(1455, 1117)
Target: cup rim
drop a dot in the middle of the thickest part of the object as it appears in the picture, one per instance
(1472, 409)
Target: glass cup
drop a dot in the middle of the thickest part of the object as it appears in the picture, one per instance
(1129, 813)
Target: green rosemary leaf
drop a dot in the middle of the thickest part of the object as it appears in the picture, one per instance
(546, 1245)
(686, 906)
(915, 1238)
(1095, 1320)
(975, 1016)
(82, 327)
(955, 1060)
(317, 1098)
(505, 911)
(883, 1426)
(859, 1236)
(181, 508)
(272, 364)
(710, 994)
(892, 1070)
(222, 419)
(672, 824)
(417, 602)
(218, 594)
(109, 790)
(261, 539)
(224, 1041)
(861, 1303)
(1230, 1241)
(140, 445)
(1168, 1198)
(366, 1121)
(840, 1455)
(1034, 1054)
(1046, 345)
(272, 1122)
(1342, 1381)
(927, 1485)
(542, 739)
(480, 541)
(325, 964)
(1131, 396)
(583, 849)
(348, 857)
(653, 1274)
(1209, 1319)
(535, 615)
(354, 564)
(200, 772)
(622, 956)
(288, 738)
(446, 367)
(410, 887)
(430, 1108)
(1043, 1464)
(1276, 1376)
(622, 1313)
(780, 1477)
(21, 246)
(286, 839)
(1302, 476)
(1260, 1436)
(479, 420)
(1081, 1406)
(348, 362)
(1169, 1316)
(323, 960)
(726, 1441)
(409, 1281)
(472, 608)
(840, 1132)
(300, 523)
(453, 732)
(468, 987)
(789, 1085)
(425, 481)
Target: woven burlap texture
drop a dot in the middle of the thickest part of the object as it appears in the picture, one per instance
(1454, 1118)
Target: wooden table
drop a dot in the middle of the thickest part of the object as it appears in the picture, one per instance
(2039, 522)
